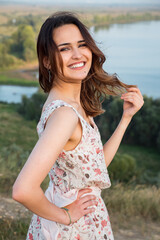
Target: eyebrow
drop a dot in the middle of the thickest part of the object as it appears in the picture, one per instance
(64, 44)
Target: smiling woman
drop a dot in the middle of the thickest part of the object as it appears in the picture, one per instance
(69, 148)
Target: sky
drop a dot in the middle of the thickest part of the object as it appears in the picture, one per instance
(106, 2)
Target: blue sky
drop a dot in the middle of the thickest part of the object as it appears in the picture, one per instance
(119, 2)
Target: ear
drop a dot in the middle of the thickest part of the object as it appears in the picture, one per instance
(46, 63)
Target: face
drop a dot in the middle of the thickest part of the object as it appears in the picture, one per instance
(76, 56)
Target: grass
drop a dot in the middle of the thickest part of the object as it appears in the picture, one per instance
(13, 229)
(14, 129)
(17, 81)
(140, 201)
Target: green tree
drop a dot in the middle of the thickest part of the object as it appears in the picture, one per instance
(23, 43)
(5, 58)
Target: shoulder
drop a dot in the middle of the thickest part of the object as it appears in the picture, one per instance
(62, 116)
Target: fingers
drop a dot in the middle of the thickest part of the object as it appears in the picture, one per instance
(89, 204)
(89, 210)
(135, 89)
(133, 95)
(87, 198)
(83, 191)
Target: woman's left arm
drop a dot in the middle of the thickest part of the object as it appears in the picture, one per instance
(133, 101)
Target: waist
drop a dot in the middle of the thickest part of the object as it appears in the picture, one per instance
(60, 198)
(95, 191)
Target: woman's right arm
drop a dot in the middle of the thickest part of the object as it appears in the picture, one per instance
(26, 189)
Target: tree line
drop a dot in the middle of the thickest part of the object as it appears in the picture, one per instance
(21, 45)
(143, 130)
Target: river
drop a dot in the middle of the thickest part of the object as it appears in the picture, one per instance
(133, 52)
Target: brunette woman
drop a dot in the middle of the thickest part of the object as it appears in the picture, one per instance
(69, 148)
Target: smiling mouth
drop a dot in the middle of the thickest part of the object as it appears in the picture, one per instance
(77, 65)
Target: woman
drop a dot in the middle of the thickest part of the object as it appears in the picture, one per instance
(69, 146)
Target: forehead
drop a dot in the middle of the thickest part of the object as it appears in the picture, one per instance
(67, 34)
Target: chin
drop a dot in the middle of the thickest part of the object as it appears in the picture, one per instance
(80, 77)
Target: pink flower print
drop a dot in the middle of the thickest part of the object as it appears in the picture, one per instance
(104, 223)
(78, 237)
(95, 219)
(59, 235)
(38, 220)
(30, 236)
(88, 222)
(80, 157)
(62, 155)
(97, 225)
(88, 168)
(69, 165)
(87, 157)
(98, 150)
(59, 171)
(84, 161)
(52, 178)
(98, 171)
(92, 140)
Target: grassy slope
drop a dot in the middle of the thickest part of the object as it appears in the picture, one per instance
(4, 79)
(14, 129)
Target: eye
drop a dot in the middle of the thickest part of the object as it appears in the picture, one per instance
(83, 45)
(64, 49)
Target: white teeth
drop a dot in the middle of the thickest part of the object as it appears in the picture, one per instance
(77, 65)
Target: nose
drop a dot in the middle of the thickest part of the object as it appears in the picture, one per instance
(76, 53)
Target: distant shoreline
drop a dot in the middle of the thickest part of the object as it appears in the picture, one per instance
(96, 17)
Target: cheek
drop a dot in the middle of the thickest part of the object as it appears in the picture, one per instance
(66, 55)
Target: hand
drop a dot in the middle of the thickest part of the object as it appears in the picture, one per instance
(78, 208)
(133, 101)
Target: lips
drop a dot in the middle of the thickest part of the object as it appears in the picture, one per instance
(77, 65)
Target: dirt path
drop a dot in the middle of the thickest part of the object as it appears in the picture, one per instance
(126, 229)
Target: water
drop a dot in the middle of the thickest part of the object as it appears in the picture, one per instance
(10, 93)
(133, 52)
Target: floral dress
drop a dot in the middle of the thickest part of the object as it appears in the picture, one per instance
(82, 167)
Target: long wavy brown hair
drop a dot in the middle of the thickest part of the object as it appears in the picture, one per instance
(97, 85)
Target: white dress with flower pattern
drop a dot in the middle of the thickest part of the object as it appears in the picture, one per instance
(73, 170)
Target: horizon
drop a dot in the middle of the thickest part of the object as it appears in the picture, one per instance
(88, 2)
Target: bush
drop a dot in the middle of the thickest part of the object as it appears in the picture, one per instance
(31, 108)
(123, 168)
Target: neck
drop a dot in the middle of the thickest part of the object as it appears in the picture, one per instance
(68, 91)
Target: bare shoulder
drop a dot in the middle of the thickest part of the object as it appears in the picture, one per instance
(62, 116)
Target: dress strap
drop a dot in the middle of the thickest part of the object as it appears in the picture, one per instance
(48, 111)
